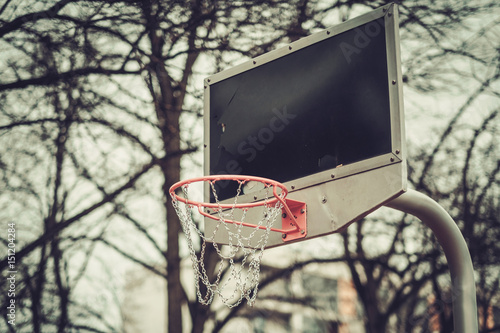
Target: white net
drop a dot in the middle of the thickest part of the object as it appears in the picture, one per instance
(239, 260)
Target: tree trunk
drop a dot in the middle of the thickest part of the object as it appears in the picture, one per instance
(174, 287)
(167, 112)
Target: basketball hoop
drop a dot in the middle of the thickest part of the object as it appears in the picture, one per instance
(246, 241)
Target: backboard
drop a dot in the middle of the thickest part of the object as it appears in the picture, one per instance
(323, 115)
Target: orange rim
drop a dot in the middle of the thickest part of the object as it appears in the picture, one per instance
(239, 178)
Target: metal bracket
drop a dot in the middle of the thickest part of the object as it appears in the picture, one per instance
(295, 225)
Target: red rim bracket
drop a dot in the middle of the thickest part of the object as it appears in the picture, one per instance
(298, 209)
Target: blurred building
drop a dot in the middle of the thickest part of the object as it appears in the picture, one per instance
(144, 307)
(319, 300)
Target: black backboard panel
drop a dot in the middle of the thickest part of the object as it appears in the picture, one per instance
(314, 109)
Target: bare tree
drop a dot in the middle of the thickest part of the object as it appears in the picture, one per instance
(459, 168)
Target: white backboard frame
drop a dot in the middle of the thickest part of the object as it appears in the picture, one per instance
(337, 197)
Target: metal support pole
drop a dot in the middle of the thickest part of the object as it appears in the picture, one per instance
(456, 251)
